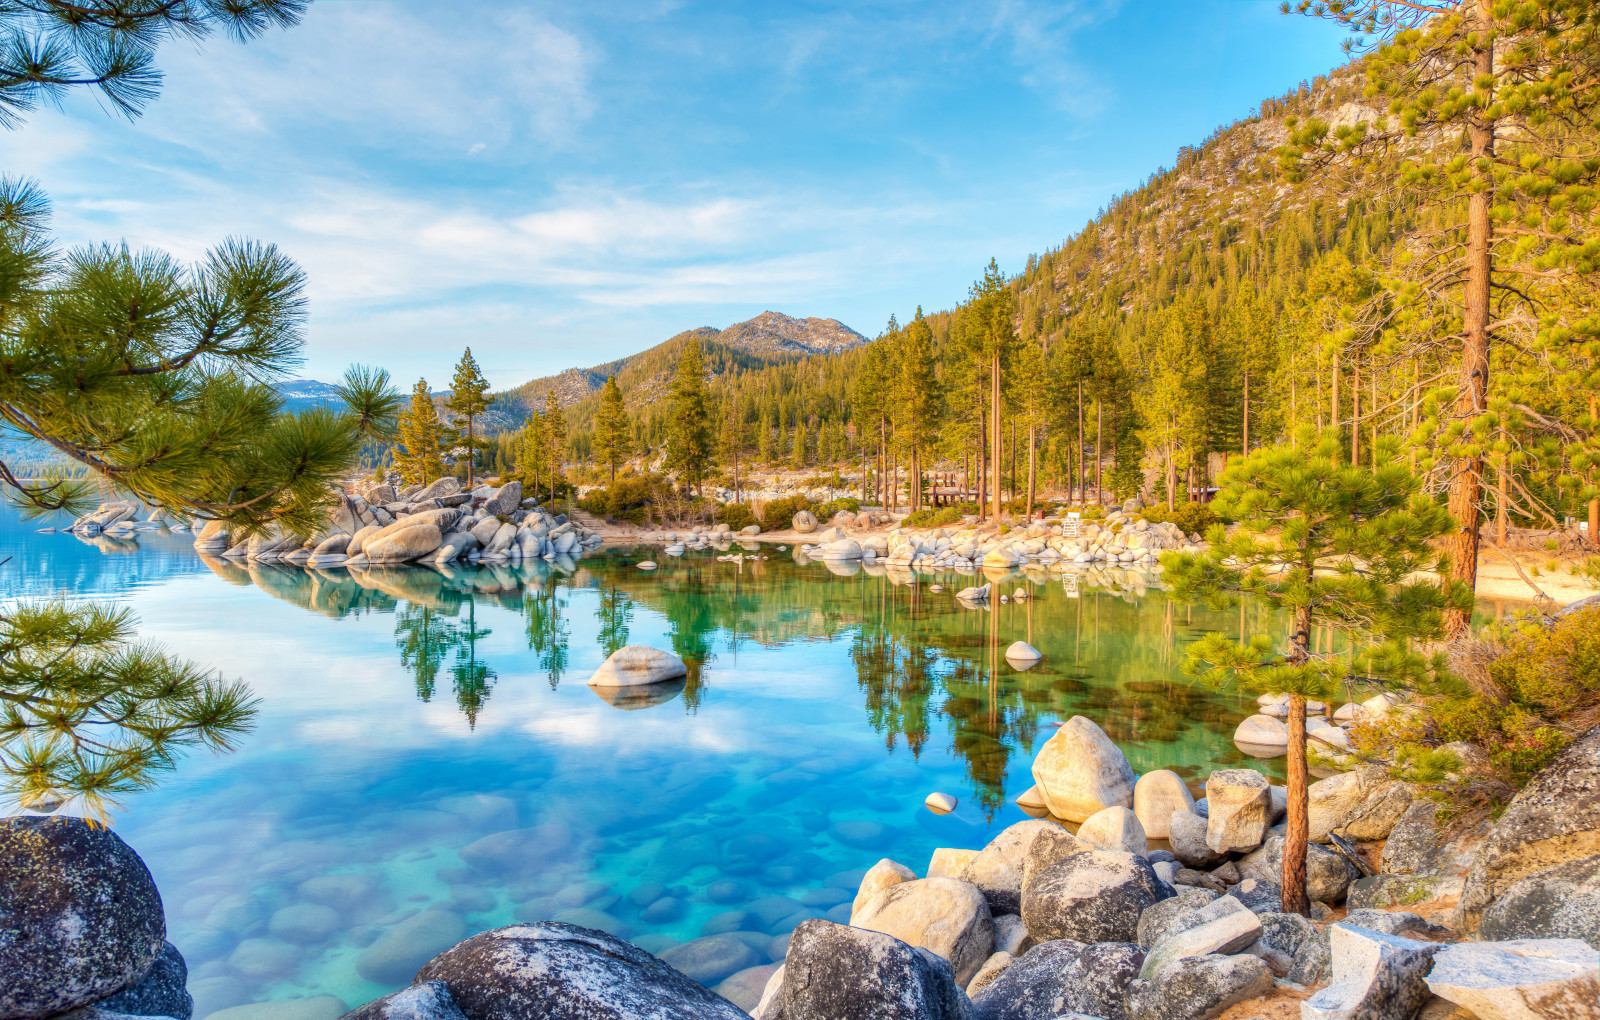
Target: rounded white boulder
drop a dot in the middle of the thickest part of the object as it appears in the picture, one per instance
(940, 803)
(1263, 730)
(637, 665)
(1156, 796)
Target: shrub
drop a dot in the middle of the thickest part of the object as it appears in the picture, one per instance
(827, 510)
(1191, 517)
(778, 514)
(933, 517)
(631, 499)
(736, 516)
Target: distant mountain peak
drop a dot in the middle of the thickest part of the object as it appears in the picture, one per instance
(775, 333)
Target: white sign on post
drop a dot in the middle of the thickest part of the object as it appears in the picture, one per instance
(1069, 528)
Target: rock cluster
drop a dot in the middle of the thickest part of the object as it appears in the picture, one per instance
(435, 524)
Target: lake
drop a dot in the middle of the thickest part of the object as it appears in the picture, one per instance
(429, 761)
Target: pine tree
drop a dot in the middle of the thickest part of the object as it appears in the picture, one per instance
(916, 397)
(468, 398)
(613, 433)
(421, 435)
(689, 441)
(990, 340)
(731, 441)
(554, 421)
(534, 453)
(1335, 545)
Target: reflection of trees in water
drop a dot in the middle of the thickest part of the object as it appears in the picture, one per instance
(426, 637)
(615, 612)
(546, 628)
(471, 678)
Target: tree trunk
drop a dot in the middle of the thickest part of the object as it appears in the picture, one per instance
(994, 414)
(1099, 491)
(1472, 400)
(1355, 416)
(1083, 472)
(1293, 877)
(469, 451)
(1502, 515)
(1033, 470)
(1013, 459)
(1244, 441)
(1594, 504)
(1334, 419)
(982, 464)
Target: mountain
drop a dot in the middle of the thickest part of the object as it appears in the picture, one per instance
(301, 394)
(770, 336)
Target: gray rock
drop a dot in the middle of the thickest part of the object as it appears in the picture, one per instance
(1158, 917)
(992, 968)
(997, 870)
(429, 1000)
(1313, 961)
(711, 958)
(506, 500)
(1328, 874)
(1187, 833)
(1198, 988)
(1050, 846)
(1011, 935)
(1519, 979)
(1396, 890)
(1375, 977)
(397, 953)
(1222, 927)
(1260, 895)
(1094, 896)
(1062, 976)
(942, 915)
(1286, 933)
(1562, 902)
(82, 917)
(638, 665)
(1555, 819)
(1240, 803)
(1389, 922)
(1378, 813)
(304, 923)
(1079, 771)
(446, 486)
(744, 989)
(160, 992)
(804, 522)
(835, 972)
(559, 970)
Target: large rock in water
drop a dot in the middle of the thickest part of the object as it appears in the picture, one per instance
(942, 915)
(1562, 902)
(1156, 796)
(1239, 810)
(1375, 977)
(1059, 977)
(404, 545)
(81, 915)
(1080, 771)
(427, 1001)
(997, 870)
(162, 991)
(563, 972)
(1555, 819)
(1519, 980)
(1094, 896)
(637, 665)
(835, 972)
(1198, 988)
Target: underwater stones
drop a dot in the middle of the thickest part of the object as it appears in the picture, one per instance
(82, 915)
(429, 1000)
(1375, 977)
(304, 923)
(1155, 796)
(559, 970)
(1094, 896)
(263, 959)
(516, 851)
(1115, 828)
(1080, 771)
(744, 988)
(397, 953)
(860, 832)
(159, 992)
(595, 919)
(711, 958)
(319, 1007)
(1240, 810)
(835, 972)
(727, 890)
(1198, 988)
(943, 915)
(638, 665)
(1525, 979)
(1061, 977)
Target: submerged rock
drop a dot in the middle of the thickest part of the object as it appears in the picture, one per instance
(82, 917)
(637, 665)
(559, 970)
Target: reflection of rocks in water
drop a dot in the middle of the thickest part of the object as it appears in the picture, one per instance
(290, 584)
(228, 570)
(112, 546)
(843, 568)
(631, 699)
(410, 584)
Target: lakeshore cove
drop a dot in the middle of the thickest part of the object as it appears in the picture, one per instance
(404, 722)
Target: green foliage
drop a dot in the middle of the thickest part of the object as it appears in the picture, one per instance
(689, 442)
(420, 459)
(613, 432)
(469, 399)
(826, 511)
(1191, 517)
(933, 517)
(88, 716)
(629, 498)
(778, 514)
(736, 516)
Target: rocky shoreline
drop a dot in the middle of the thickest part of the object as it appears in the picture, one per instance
(1410, 917)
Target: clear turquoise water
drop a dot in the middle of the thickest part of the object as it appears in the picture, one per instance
(405, 720)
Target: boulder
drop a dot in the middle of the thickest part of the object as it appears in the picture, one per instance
(550, 969)
(1011, 935)
(940, 804)
(162, 991)
(1262, 895)
(1419, 844)
(1330, 802)
(1020, 653)
(446, 486)
(506, 500)
(1523, 979)
(997, 870)
(843, 549)
(943, 915)
(1222, 926)
(636, 666)
(1562, 902)
(1155, 796)
(1375, 977)
(1158, 917)
(1397, 890)
(1262, 731)
(1114, 828)
(403, 947)
(1080, 771)
(711, 958)
(992, 968)
(1240, 810)
(1328, 874)
(834, 972)
(1198, 988)
(82, 917)
(804, 522)
(1093, 896)
(878, 878)
(1061, 977)
(403, 545)
(429, 1000)
(1285, 933)
(359, 539)
(1186, 832)
(949, 862)
(1555, 819)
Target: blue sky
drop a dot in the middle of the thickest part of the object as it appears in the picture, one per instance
(558, 184)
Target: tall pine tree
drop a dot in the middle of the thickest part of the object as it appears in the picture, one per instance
(613, 433)
(689, 438)
(469, 398)
(421, 436)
